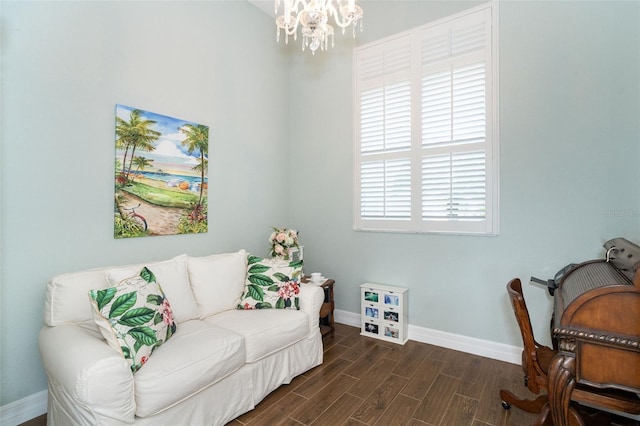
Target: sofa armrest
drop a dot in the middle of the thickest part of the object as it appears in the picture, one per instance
(89, 382)
(311, 298)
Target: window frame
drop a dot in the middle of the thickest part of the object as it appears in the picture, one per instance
(416, 152)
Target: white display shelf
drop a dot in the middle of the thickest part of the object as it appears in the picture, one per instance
(384, 312)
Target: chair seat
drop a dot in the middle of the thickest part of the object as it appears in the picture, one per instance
(545, 355)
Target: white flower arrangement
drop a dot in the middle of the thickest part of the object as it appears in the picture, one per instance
(281, 240)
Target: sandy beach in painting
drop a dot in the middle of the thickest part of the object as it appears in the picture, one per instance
(160, 220)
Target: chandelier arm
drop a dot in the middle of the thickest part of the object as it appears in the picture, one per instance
(294, 28)
(290, 9)
(342, 25)
(332, 11)
(337, 16)
(288, 6)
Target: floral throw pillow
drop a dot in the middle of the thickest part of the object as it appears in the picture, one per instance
(271, 283)
(134, 316)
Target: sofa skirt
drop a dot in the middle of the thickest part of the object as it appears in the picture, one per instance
(226, 399)
(244, 389)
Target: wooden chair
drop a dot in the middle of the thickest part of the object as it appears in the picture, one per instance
(536, 359)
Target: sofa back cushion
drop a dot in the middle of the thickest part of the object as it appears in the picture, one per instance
(217, 281)
(67, 299)
(173, 277)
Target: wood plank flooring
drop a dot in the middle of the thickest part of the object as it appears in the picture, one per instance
(365, 381)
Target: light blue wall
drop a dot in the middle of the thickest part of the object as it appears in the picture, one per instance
(64, 67)
(570, 102)
(570, 149)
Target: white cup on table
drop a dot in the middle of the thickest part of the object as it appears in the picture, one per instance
(316, 276)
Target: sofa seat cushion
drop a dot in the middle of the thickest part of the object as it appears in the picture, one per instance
(196, 357)
(265, 331)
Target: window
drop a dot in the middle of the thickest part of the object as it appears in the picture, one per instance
(426, 142)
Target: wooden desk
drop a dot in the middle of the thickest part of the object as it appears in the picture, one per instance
(597, 326)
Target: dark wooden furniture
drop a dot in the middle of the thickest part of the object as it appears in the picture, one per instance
(535, 357)
(597, 326)
(327, 322)
(536, 362)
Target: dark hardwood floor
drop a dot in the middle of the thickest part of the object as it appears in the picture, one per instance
(365, 381)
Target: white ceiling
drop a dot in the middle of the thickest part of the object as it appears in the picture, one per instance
(267, 6)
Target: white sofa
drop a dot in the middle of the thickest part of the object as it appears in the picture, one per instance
(219, 363)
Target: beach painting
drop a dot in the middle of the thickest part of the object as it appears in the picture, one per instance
(161, 178)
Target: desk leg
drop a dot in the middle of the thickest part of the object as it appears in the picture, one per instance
(562, 374)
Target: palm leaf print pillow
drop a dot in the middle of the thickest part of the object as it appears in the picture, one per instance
(134, 316)
(271, 283)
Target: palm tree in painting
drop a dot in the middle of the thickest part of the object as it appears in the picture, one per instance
(141, 163)
(197, 140)
(133, 135)
(203, 164)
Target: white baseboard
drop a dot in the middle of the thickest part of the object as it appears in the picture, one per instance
(24, 409)
(485, 348)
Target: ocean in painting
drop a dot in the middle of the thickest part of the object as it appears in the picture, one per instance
(171, 178)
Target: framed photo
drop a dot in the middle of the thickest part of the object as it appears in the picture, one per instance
(391, 299)
(371, 296)
(371, 328)
(371, 312)
(391, 316)
(392, 332)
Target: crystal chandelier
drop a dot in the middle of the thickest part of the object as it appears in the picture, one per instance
(313, 16)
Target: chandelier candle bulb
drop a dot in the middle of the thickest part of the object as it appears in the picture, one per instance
(313, 17)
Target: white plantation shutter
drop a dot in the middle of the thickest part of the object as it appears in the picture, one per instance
(385, 98)
(426, 128)
(386, 189)
(453, 186)
(385, 120)
(453, 118)
(454, 106)
(384, 146)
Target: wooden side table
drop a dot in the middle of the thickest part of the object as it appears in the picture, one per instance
(327, 323)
